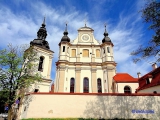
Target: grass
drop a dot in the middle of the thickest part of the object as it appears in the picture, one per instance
(78, 119)
(59, 119)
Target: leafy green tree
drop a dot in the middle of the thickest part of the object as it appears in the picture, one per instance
(151, 15)
(17, 72)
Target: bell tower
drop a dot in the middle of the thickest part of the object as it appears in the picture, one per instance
(45, 56)
(64, 51)
(108, 63)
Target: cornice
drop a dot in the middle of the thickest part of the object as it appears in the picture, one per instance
(107, 43)
(43, 49)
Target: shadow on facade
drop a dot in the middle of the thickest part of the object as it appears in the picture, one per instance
(123, 107)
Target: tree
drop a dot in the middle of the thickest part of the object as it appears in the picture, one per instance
(151, 15)
(17, 72)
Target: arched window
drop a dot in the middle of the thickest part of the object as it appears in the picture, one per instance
(63, 48)
(85, 53)
(108, 49)
(97, 53)
(85, 85)
(99, 85)
(72, 85)
(40, 67)
(127, 89)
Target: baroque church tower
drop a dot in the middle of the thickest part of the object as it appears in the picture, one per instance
(85, 65)
(45, 60)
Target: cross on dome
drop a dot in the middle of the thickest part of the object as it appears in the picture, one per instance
(66, 26)
(85, 22)
(105, 24)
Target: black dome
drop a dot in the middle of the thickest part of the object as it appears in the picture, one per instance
(65, 38)
(106, 38)
(41, 36)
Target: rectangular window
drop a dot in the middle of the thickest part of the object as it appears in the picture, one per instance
(108, 49)
(85, 53)
(73, 53)
(97, 53)
(63, 48)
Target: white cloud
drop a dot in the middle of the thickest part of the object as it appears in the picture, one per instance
(22, 28)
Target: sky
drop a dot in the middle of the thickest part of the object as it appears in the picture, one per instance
(21, 19)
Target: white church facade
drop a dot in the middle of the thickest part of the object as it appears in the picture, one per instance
(85, 65)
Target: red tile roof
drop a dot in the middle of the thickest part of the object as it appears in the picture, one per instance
(155, 74)
(125, 78)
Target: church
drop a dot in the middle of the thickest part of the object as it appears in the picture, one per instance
(85, 77)
(85, 65)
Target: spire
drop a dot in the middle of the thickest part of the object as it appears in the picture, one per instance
(106, 38)
(105, 32)
(42, 33)
(43, 24)
(66, 32)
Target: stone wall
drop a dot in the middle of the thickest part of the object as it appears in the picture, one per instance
(66, 105)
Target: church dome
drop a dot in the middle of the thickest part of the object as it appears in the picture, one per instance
(106, 38)
(65, 38)
(41, 36)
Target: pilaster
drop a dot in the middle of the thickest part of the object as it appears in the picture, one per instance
(94, 80)
(78, 78)
(61, 79)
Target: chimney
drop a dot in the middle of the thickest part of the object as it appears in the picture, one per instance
(139, 74)
(154, 66)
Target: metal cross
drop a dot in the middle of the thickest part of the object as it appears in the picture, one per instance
(85, 22)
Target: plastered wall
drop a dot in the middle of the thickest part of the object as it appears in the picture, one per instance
(90, 106)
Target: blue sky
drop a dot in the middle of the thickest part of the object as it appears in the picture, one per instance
(21, 19)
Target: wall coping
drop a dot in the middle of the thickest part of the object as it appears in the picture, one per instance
(96, 94)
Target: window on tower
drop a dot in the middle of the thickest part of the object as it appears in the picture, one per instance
(73, 53)
(97, 53)
(108, 50)
(40, 66)
(99, 85)
(63, 48)
(85, 85)
(72, 82)
(103, 50)
(85, 53)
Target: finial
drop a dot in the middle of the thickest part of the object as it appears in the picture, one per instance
(66, 26)
(44, 20)
(105, 26)
(43, 24)
(105, 32)
(85, 22)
